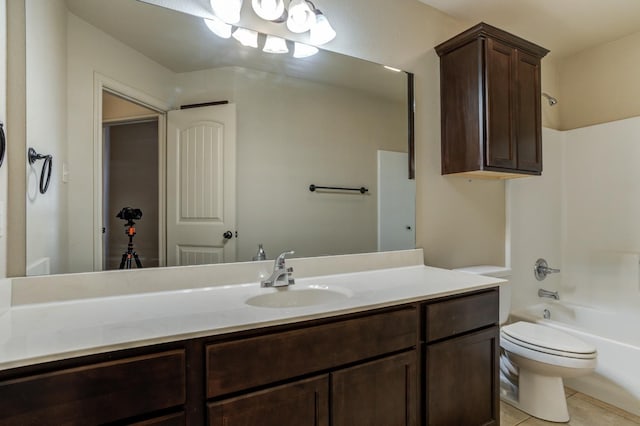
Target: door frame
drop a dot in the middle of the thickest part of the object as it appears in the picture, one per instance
(103, 83)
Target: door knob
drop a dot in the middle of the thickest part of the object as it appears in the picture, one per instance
(228, 235)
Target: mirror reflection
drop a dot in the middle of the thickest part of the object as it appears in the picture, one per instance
(230, 170)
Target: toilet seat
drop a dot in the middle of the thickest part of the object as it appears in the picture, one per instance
(547, 340)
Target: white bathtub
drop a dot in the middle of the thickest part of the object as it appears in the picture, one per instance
(616, 336)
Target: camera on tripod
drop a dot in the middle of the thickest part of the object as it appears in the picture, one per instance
(128, 213)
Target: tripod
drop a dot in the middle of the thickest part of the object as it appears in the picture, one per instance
(125, 263)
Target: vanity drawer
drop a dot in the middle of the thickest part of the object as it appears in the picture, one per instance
(461, 314)
(243, 364)
(96, 393)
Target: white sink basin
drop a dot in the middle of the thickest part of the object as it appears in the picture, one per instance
(291, 297)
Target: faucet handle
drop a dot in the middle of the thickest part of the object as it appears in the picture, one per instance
(279, 263)
(290, 269)
(541, 269)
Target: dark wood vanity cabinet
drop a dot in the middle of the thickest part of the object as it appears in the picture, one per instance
(428, 362)
(490, 104)
(364, 368)
(461, 362)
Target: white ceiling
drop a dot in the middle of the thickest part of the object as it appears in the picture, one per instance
(182, 43)
(563, 26)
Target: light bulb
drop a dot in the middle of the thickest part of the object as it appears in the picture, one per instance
(270, 10)
(227, 10)
(275, 44)
(301, 50)
(301, 16)
(321, 32)
(218, 27)
(246, 37)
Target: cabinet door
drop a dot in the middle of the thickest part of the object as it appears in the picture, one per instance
(303, 403)
(500, 149)
(96, 393)
(381, 393)
(528, 120)
(462, 380)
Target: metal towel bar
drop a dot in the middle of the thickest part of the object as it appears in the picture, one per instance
(361, 190)
(46, 167)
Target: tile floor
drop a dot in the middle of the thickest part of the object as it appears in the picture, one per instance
(584, 410)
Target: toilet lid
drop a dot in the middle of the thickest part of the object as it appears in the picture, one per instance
(547, 338)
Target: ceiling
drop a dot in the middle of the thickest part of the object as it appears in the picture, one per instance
(565, 27)
(182, 43)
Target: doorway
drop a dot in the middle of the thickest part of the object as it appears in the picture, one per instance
(131, 178)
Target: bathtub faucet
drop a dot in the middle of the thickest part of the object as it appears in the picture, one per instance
(550, 294)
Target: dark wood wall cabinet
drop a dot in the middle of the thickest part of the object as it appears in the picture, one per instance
(424, 363)
(490, 104)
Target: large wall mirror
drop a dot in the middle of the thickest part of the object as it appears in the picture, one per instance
(106, 81)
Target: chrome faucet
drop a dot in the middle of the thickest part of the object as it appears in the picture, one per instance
(550, 294)
(280, 276)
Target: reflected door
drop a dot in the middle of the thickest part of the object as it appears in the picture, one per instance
(201, 199)
(396, 203)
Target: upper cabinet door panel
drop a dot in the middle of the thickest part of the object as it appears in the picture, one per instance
(461, 108)
(500, 143)
(529, 122)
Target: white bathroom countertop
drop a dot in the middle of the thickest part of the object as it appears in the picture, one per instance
(36, 333)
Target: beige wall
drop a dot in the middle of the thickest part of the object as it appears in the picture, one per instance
(601, 84)
(46, 133)
(550, 85)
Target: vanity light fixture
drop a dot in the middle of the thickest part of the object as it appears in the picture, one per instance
(301, 50)
(392, 68)
(275, 44)
(302, 16)
(227, 10)
(218, 27)
(246, 37)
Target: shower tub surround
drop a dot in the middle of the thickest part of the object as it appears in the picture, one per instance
(582, 216)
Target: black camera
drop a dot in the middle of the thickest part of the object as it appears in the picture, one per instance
(129, 213)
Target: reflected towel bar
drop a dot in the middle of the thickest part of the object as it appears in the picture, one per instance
(361, 190)
(33, 156)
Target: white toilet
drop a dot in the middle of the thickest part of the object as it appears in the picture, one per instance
(535, 358)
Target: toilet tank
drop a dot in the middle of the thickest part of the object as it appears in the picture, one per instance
(504, 288)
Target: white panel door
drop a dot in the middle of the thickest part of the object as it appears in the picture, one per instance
(201, 179)
(396, 203)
